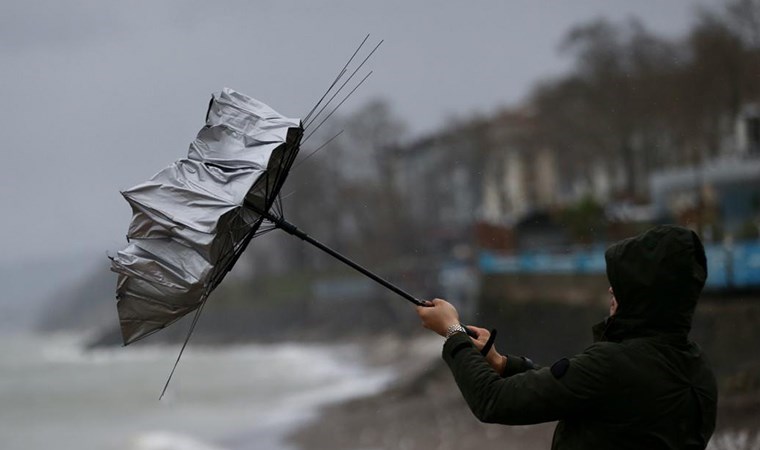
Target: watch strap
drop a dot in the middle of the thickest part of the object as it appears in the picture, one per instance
(454, 329)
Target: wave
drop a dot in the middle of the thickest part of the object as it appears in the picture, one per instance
(256, 392)
(166, 440)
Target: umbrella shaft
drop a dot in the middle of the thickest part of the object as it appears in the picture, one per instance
(289, 228)
(292, 229)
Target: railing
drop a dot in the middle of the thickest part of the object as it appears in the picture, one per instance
(735, 266)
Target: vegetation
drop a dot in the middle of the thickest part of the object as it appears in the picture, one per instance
(636, 101)
(583, 218)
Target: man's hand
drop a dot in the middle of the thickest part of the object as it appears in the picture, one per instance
(439, 316)
(495, 360)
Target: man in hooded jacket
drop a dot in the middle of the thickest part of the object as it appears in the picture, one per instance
(641, 385)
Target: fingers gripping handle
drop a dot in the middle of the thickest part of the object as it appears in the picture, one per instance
(467, 330)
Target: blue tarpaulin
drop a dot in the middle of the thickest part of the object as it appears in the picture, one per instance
(732, 266)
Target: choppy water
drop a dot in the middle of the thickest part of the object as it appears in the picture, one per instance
(54, 395)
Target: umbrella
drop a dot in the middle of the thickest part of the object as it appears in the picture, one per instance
(192, 220)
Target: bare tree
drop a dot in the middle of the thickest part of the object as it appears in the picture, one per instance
(639, 102)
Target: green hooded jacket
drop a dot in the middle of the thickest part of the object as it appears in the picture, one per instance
(641, 385)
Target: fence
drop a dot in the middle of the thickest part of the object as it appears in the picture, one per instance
(733, 266)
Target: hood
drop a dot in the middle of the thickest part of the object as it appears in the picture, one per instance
(656, 278)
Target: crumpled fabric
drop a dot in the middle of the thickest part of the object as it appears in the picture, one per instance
(192, 218)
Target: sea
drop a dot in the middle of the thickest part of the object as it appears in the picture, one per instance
(54, 394)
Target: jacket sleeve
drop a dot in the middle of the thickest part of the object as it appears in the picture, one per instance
(518, 364)
(533, 396)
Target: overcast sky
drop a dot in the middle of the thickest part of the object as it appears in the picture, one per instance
(97, 96)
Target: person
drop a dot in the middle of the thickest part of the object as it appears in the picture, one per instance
(642, 384)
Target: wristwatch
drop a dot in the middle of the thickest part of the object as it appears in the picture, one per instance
(454, 329)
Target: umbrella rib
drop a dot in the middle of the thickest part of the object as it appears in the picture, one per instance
(277, 205)
(336, 108)
(184, 345)
(286, 162)
(307, 125)
(288, 194)
(288, 168)
(266, 188)
(263, 232)
(318, 149)
(230, 257)
(340, 75)
(215, 279)
(267, 203)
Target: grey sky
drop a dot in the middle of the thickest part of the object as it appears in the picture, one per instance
(98, 96)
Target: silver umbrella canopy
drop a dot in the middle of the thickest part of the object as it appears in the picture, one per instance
(192, 220)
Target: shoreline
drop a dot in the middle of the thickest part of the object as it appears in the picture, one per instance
(393, 357)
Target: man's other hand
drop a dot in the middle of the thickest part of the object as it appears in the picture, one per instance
(439, 316)
(495, 360)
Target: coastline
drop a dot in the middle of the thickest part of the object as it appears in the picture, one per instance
(383, 360)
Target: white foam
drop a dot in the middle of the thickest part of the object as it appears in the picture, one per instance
(735, 440)
(165, 440)
(109, 398)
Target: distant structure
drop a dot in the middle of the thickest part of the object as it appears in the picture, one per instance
(725, 192)
(722, 193)
(489, 181)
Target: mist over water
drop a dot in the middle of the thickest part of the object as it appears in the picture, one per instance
(55, 395)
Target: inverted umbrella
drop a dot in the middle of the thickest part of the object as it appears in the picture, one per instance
(192, 220)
